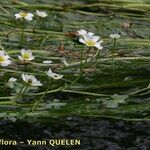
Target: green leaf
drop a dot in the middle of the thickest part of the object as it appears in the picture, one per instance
(119, 98)
(111, 104)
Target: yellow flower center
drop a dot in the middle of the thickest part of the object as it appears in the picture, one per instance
(2, 59)
(23, 14)
(26, 56)
(90, 43)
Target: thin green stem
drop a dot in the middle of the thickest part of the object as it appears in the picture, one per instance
(113, 49)
(85, 93)
(34, 27)
(41, 98)
(25, 66)
(81, 63)
(19, 94)
(82, 66)
(113, 56)
(22, 33)
(139, 91)
(25, 88)
(52, 91)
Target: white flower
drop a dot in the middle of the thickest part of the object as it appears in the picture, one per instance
(11, 82)
(42, 14)
(12, 79)
(24, 15)
(52, 75)
(83, 32)
(47, 62)
(31, 80)
(91, 40)
(115, 36)
(26, 55)
(4, 59)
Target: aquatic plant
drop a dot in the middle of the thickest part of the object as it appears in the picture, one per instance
(64, 65)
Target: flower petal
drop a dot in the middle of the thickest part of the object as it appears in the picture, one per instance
(18, 16)
(115, 36)
(6, 63)
(90, 33)
(2, 53)
(37, 83)
(21, 58)
(82, 41)
(29, 16)
(23, 51)
(42, 14)
(24, 78)
(98, 45)
(82, 32)
(95, 38)
(12, 79)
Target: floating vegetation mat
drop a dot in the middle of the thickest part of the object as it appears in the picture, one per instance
(66, 58)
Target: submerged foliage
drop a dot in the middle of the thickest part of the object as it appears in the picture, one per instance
(44, 43)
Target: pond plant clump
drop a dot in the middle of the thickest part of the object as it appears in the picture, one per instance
(59, 66)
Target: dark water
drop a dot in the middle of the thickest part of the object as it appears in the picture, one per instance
(95, 133)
